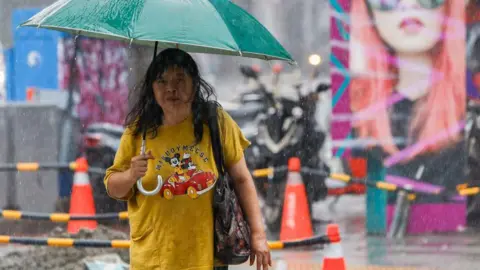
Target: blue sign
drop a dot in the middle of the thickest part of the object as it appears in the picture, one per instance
(35, 56)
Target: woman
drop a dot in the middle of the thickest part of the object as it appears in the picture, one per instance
(411, 98)
(174, 229)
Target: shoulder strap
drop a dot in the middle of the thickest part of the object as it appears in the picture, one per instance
(213, 125)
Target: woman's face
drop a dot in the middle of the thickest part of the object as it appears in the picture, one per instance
(173, 90)
(409, 26)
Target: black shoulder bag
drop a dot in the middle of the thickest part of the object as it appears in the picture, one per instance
(231, 230)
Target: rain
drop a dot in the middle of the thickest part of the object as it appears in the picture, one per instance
(363, 123)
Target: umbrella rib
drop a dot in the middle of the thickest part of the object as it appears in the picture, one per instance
(229, 32)
(134, 22)
(54, 11)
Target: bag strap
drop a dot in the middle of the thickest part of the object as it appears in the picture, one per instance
(215, 138)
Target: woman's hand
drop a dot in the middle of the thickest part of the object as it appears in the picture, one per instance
(120, 183)
(139, 166)
(245, 188)
(260, 251)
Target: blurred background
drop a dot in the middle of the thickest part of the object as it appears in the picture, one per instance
(383, 91)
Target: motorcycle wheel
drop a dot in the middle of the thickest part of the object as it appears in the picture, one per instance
(103, 202)
(272, 215)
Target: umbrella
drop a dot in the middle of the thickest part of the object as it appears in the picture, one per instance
(197, 26)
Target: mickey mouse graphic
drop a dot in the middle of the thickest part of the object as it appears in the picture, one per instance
(186, 179)
(179, 174)
(187, 164)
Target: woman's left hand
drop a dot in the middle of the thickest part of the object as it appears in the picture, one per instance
(261, 251)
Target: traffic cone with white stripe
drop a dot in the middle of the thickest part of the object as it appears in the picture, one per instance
(81, 201)
(333, 258)
(296, 222)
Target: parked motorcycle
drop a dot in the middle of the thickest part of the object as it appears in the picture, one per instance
(472, 128)
(472, 132)
(285, 129)
(249, 103)
(100, 144)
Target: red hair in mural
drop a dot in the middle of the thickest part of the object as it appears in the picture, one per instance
(444, 106)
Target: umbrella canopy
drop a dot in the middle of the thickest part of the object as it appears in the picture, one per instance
(198, 26)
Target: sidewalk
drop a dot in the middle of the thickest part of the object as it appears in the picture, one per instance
(448, 251)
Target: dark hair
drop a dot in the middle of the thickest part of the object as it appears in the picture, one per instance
(146, 116)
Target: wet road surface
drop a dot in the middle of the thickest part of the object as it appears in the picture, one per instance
(447, 251)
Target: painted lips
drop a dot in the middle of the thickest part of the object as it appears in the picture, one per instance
(411, 25)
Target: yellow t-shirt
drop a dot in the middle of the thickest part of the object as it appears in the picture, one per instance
(174, 229)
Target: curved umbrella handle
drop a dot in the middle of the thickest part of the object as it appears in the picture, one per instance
(139, 181)
(149, 193)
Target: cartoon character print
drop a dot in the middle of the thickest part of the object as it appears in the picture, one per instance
(188, 165)
(186, 179)
(179, 174)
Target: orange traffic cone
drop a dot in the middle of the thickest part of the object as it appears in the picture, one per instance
(81, 201)
(296, 222)
(333, 258)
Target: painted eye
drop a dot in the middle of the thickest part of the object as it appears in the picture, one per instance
(431, 3)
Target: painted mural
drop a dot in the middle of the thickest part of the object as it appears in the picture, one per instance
(102, 78)
(340, 76)
(408, 99)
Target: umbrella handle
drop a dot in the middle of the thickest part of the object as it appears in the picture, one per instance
(139, 181)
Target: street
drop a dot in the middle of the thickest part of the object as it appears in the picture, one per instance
(447, 251)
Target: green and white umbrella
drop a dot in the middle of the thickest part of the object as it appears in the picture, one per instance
(197, 26)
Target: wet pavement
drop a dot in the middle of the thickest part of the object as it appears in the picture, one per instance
(447, 251)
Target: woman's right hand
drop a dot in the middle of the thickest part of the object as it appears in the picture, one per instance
(139, 165)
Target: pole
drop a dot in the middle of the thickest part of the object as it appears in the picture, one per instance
(402, 197)
(11, 190)
(67, 120)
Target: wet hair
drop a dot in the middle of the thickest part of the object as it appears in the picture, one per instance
(146, 116)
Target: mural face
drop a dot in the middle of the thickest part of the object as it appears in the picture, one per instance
(408, 26)
(407, 94)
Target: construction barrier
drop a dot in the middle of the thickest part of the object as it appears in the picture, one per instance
(36, 166)
(72, 242)
(462, 190)
(59, 217)
(294, 225)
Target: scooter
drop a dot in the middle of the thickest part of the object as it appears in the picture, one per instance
(285, 128)
(472, 127)
(100, 144)
(472, 132)
(249, 103)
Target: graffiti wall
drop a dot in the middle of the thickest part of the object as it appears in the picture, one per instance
(408, 98)
(101, 78)
(340, 75)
